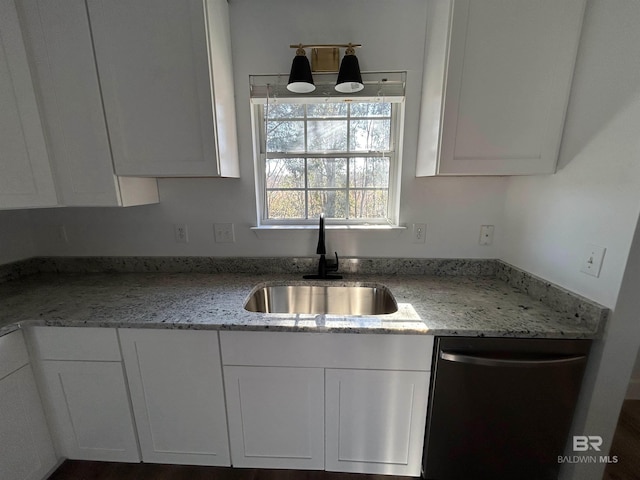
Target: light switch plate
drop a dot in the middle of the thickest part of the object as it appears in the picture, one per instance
(592, 260)
(223, 232)
(419, 233)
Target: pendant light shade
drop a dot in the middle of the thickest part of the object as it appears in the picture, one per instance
(349, 77)
(300, 78)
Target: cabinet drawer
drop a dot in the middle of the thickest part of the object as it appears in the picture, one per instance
(13, 353)
(328, 350)
(75, 343)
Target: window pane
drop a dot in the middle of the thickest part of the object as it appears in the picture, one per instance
(327, 135)
(283, 136)
(284, 172)
(369, 172)
(327, 172)
(370, 135)
(285, 110)
(371, 109)
(368, 203)
(324, 110)
(322, 176)
(285, 204)
(332, 202)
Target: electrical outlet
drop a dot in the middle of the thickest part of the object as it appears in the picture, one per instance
(223, 232)
(419, 233)
(592, 260)
(486, 234)
(182, 233)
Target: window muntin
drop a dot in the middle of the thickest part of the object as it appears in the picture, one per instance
(338, 158)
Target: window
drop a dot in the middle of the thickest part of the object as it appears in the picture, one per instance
(336, 157)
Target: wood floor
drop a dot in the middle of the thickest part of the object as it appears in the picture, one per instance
(626, 444)
(82, 470)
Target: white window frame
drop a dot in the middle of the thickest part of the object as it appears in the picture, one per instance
(395, 163)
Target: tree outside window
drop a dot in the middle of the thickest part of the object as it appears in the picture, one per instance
(335, 158)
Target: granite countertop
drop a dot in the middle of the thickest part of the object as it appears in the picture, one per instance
(434, 305)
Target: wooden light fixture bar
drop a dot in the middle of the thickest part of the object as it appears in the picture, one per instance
(327, 45)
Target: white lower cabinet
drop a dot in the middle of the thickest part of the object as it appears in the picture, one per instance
(375, 421)
(276, 416)
(85, 392)
(26, 449)
(177, 393)
(347, 403)
(315, 401)
(91, 410)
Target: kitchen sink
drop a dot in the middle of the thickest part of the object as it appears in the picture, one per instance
(314, 299)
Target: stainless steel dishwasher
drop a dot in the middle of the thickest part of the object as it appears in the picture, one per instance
(501, 408)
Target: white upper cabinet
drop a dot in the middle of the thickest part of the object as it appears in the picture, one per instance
(58, 37)
(165, 73)
(496, 85)
(25, 176)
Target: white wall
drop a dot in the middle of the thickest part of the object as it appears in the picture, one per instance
(595, 195)
(16, 242)
(610, 364)
(392, 35)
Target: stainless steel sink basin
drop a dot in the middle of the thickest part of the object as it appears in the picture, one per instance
(313, 299)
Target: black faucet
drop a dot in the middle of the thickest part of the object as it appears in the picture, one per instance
(324, 266)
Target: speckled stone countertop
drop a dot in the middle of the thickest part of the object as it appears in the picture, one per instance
(436, 305)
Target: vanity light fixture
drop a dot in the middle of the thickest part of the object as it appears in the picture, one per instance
(325, 58)
(349, 77)
(300, 78)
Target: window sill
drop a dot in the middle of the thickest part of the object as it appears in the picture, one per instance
(271, 231)
(267, 228)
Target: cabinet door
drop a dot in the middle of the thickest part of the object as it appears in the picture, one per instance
(153, 64)
(276, 416)
(13, 353)
(25, 175)
(375, 421)
(506, 86)
(58, 39)
(90, 410)
(26, 450)
(175, 379)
